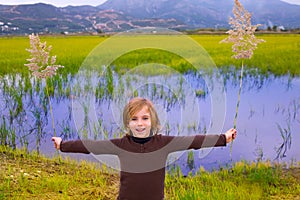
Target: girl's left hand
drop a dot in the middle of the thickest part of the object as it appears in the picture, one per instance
(230, 135)
(56, 141)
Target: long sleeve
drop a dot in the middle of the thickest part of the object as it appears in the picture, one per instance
(179, 143)
(203, 141)
(90, 146)
(73, 146)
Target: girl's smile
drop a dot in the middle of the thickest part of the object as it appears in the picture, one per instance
(140, 123)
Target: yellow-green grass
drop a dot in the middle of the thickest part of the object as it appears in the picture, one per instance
(32, 176)
(278, 55)
(243, 181)
(70, 51)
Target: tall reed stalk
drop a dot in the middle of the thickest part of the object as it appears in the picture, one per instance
(244, 43)
(51, 110)
(239, 97)
(42, 66)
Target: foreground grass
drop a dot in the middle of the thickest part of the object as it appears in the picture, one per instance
(29, 176)
(243, 181)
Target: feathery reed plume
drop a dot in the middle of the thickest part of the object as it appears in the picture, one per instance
(242, 33)
(244, 42)
(42, 65)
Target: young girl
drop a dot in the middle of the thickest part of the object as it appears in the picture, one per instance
(142, 151)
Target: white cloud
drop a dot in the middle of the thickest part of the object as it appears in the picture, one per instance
(58, 3)
(292, 1)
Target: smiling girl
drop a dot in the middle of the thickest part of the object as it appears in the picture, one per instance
(143, 151)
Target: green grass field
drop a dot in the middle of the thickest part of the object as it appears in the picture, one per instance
(279, 55)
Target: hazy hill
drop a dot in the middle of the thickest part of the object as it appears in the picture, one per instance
(120, 15)
(208, 13)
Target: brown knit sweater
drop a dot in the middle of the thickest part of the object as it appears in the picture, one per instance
(142, 165)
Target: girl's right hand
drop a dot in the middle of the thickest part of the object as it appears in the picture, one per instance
(56, 141)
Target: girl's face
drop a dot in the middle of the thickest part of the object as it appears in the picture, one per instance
(140, 123)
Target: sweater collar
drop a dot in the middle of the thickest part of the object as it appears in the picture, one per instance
(140, 140)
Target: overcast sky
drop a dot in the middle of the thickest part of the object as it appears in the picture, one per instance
(60, 3)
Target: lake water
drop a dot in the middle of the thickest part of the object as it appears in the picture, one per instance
(268, 120)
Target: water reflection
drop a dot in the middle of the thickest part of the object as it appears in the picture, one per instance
(268, 123)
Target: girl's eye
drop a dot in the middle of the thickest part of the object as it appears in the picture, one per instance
(134, 119)
(145, 118)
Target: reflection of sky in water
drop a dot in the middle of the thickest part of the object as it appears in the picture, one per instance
(264, 110)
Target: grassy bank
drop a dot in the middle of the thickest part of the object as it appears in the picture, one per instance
(30, 176)
(278, 55)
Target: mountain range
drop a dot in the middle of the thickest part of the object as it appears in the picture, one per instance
(121, 15)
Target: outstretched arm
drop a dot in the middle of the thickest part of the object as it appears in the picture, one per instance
(86, 146)
(178, 143)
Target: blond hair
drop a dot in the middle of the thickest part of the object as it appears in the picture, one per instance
(134, 106)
